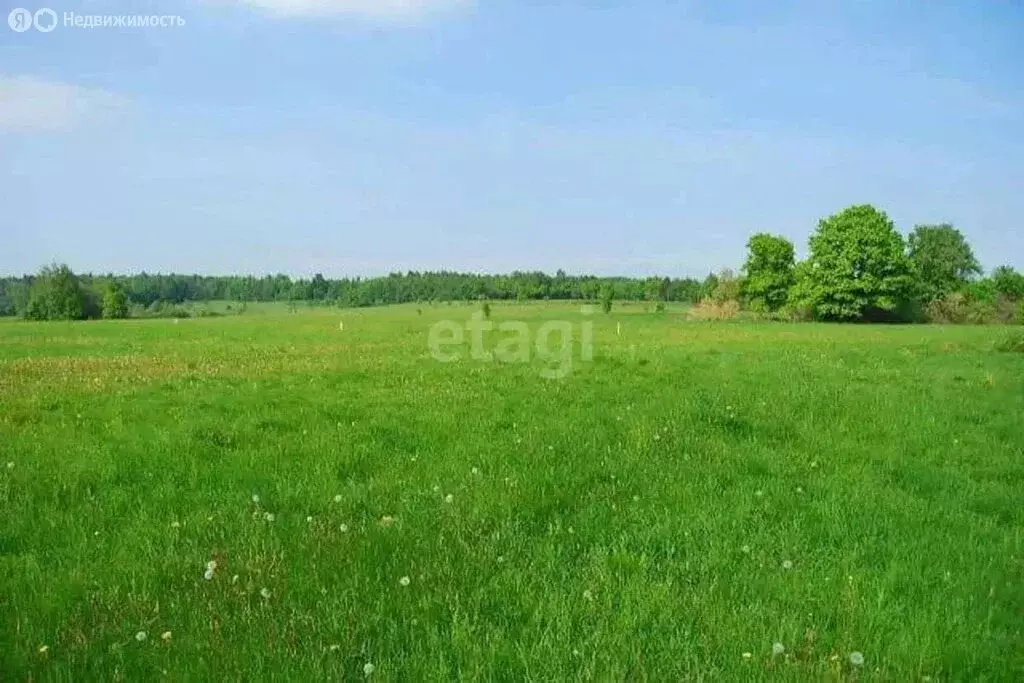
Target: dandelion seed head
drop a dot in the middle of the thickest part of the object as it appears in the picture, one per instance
(166, 635)
(449, 498)
(857, 658)
(208, 575)
(588, 596)
(787, 564)
(475, 471)
(309, 520)
(343, 528)
(747, 655)
(10, 465)
(368, 669)
(265, 593)
(404, 581)
(140, 636)
(175, 524)
(269, 516)
(778, 649)
(256, 498)
(337, 498)
(211, 565)
(746, 549)
(43, 649)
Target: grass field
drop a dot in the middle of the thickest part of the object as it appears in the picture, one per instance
(673, 509)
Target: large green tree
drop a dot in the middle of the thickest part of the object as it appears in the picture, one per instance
(857, 269)
(56, 295)
(768, 272)
(115, 302)
(942, 260)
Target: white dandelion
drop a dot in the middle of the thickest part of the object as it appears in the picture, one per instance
(309, 520)
(175, 524)
(343, 528)
(265, 593)
(43, 649)
(857, 659)
(166, 635)
(337, 498)
(748, 655)
(256, 498)
(269, 516)
(404, 581)
(745, 549)
(449, 498)
(778, 649)
(787, 565)
(140, 636)
(588, 596)
(211, 565)
(10, 465)
(368, 669)
(475, 471)
(208, 575)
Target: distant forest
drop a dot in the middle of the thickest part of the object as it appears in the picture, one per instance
(859, 268)
(153, 290)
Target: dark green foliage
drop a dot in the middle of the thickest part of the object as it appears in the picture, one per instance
(857, 268)
(144, 289)
(56, 294)
(769, 272)
(941, 259)
(486, 308)
(115, 301)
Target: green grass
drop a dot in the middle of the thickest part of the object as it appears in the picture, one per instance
(697, 492)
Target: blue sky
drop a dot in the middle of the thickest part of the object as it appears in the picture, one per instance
(359, 137)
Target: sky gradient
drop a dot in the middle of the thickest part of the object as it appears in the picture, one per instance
(360, 137)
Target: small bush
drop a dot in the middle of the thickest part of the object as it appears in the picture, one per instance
(714, 310)
(487, 310)
(796, 313)
(950, 309)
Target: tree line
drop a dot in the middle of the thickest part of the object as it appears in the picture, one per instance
(859, 268)
(58, 293)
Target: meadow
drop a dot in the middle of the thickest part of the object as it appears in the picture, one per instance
(270, 497)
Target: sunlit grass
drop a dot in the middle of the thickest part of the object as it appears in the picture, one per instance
(269, 497)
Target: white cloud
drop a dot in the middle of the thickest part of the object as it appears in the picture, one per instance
(31, 104)
(377, 10)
